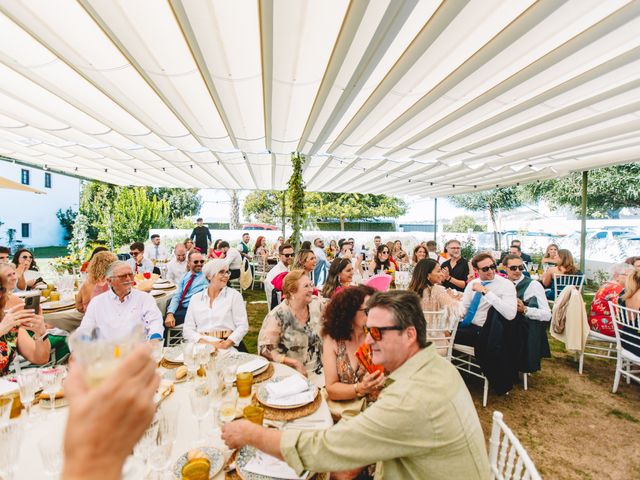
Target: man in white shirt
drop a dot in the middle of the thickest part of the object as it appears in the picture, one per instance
(156, 251)
(532, 301)
(234, 259)
(489, 290)
(377, 241)
(286, 259)
(137, 262)
(116, 312)
(177, 267)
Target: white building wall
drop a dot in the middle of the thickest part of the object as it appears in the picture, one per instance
(18, 207)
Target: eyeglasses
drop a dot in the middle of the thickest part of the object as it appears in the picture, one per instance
(376, 332)
(123, 276)
(198, 262)
(385, 252)
(486, 269)
(513, 268)
(288, 255)
(224, 272)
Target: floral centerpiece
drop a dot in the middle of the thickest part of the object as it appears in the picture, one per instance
(65, 264)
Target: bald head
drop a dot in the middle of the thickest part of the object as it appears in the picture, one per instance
(180, 252)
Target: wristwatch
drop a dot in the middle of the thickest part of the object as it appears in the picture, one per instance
(40, 338)
(526, 310)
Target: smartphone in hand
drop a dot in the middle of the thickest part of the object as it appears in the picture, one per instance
(32, 302)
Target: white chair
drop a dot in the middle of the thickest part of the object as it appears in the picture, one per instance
(464, 360)
(598, 345)
(174, 336)
(561, 281)
(626, 324)
(507, 457)
(441, 331)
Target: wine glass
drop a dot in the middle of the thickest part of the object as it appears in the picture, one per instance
(28, 383)
(229, 375)
(11, 434)
(189, 354)
(199, 399)
(142, 449)
(51, 381)
(51, 453)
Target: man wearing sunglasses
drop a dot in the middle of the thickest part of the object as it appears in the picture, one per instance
(138, 262)
(486, 291)
(532, 301)
(286, 253)
(423, 424)
(191, 283)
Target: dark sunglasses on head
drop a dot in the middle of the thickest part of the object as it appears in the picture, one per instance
(198, 262)
(486, 269)
(376, 332)
(513, 268)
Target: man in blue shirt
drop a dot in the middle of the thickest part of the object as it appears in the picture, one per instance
(191, 283)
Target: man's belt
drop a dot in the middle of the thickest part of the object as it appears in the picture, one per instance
(221, 334)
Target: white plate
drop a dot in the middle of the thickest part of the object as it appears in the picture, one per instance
(174, 354)
(58, 304)
(163, 286)
(157, 293)
(215, 457)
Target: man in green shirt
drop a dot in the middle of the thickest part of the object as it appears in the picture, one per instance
(423, 425)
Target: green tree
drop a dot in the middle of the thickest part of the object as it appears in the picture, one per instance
(494, 201)
(464, 223)
(265, 206)
(96, 199)
(296, 196)
(608, 191)
(67, 219)
(352, 206)
(132, 215)
(183, 202)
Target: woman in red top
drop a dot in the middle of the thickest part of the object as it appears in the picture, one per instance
(216, 251)
(600, 316)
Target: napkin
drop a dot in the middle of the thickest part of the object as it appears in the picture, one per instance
(7, 387)
(290, 391)
(268, 466)
(252, 365)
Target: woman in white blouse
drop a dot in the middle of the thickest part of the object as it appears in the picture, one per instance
(218, 314)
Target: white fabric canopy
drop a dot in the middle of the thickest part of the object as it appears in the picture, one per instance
(419, 97)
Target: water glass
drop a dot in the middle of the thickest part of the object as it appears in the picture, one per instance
(190, 358)
(29, 384)
(51, 453)
(244, 381)
(254, 414)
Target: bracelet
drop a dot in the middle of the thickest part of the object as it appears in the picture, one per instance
(355, 388)
(282, 359)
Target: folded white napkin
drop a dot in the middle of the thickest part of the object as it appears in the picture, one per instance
(295, 399)
(252, 365)
(263, 464)
(7, 387)
(291, 385)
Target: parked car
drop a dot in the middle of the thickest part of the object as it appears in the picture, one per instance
(258, 226)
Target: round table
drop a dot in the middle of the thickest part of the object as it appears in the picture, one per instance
(50, 426)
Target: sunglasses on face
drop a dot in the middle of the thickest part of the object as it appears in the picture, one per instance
(198, 262)
(376, 332)
(486, 269)
(134, 254)
(287, 255)
(385, 252)
(24, 257)
(513, 268)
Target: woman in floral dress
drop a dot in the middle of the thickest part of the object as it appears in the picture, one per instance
(600, 316)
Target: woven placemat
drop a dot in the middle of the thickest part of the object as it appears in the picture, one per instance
(46, 311)
(166, 364)
(266, 375)
(292, 413)
(234, 475)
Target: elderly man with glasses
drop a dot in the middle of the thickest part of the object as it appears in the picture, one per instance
(423, 424)
(486, 291)
(121, 308)
(191, 283)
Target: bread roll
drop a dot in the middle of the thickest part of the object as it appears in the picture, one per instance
(181, 372)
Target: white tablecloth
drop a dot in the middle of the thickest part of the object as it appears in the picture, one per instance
(51, 426)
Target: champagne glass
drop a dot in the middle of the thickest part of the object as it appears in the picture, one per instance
(28, 383)
(229, 375)
(227, 412)
(189, 354)
(199, 399)
(142, 449)
(51, 453)
(51, 381)
(160, 456)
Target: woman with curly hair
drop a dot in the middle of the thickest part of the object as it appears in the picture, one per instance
(342, 334)
(96, 282)
(339, 277)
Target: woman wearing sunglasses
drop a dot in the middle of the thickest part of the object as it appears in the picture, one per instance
(382, 260)
(217, 315)
(26, 269)
(290, 332)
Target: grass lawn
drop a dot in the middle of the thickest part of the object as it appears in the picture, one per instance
(49, 252)
(572, 425)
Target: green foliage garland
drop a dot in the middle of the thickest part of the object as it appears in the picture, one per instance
(296, 198)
